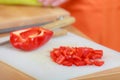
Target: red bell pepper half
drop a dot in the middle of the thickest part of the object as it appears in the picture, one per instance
(30, 38)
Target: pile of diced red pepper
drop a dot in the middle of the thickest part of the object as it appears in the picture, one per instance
(78, 56)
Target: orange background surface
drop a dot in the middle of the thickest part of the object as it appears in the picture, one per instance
(98, 19)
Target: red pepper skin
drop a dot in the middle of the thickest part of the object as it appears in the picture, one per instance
(30, 38)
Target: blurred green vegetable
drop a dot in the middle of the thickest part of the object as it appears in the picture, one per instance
(21, 2)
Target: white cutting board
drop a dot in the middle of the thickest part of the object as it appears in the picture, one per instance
(38, 63)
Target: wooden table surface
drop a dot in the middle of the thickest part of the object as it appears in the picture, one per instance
(9, 73)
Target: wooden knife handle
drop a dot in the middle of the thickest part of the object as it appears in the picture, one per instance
(59, 32)
(60, 23)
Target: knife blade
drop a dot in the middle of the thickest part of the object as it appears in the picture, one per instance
(11, 29)
(7, 30)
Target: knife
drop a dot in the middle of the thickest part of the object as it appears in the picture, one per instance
(61, 21)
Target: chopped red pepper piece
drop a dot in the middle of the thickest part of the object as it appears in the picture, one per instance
(98, 63)
(30, 38)
(79, 56)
